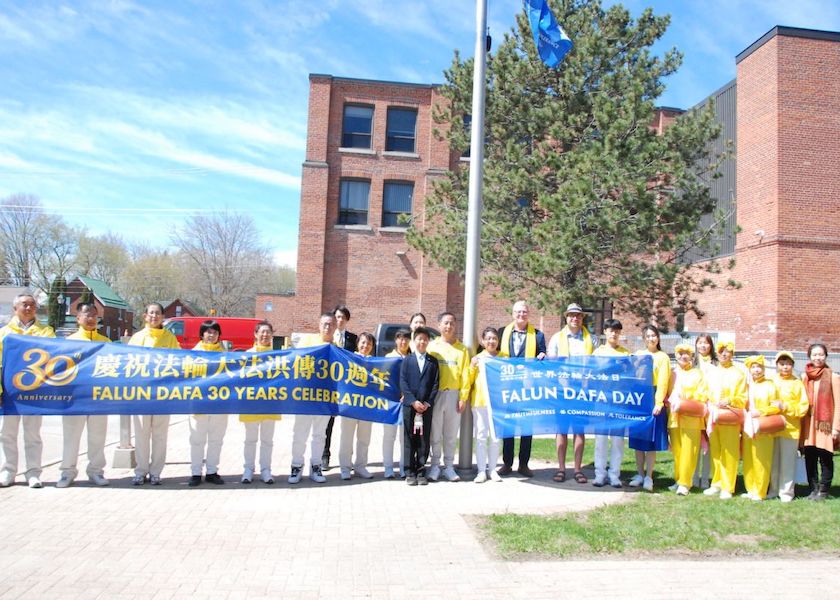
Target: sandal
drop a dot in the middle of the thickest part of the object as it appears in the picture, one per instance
(580, 477)
(559, 476)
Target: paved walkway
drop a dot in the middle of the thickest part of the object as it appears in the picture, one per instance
(370, 539)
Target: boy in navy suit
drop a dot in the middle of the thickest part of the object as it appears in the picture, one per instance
(419, 375)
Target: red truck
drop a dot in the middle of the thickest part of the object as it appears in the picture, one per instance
(238, 331)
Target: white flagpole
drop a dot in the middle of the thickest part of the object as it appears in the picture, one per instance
(473, 258)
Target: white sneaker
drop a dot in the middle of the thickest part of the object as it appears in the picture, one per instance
(389, 472)
(785, 499)
(673, 487)
(647, 484)
(711, 491)
(434, 473)
(265, 476)
(247, 476)
(481, 477)
(345, 473)
(363, 473)
(682, 490)
(616, 482)
(724, 495)
(600, 482)
(6, 479)
(294, 476)
(96, 479)
(316, 475)
(636, 481)
(450, 474)
(64, 481)
(494, 476)
(34, 482)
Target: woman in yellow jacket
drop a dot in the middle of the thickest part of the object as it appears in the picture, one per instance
(207, 431)
(684, 430)
(487, 445)
(259, 428)
(794, 400)
(728, 390)
(758, 450)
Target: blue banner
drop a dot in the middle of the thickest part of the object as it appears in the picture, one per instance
(43, 376)
(581, 394)
(551, 41)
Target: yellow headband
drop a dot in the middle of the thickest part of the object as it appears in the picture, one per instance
(754, 360)
(683, 348)
(728, 345)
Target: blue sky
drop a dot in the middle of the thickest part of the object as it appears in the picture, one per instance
(127, 116)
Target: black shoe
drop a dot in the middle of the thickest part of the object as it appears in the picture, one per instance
(505, 470)
(525, 471)
(195, 480)
(421, 480)
(214, 478)
(411, 480)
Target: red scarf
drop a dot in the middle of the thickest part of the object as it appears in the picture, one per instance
(822, 406)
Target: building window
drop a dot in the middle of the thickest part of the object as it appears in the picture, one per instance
(268, 306)
(357, 127)
(178, 310)
(353, 203)
(400, 131)
(396, 201)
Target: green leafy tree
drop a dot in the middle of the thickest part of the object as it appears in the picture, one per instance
(582, 199)
(55, 302)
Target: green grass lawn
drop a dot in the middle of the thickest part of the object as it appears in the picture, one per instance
(664, 523)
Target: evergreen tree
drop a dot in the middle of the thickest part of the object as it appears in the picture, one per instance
(582, 199)
(55, 308)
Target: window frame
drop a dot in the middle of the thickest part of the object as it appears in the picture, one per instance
(345, 133)
(344, 213)
(410, 212)
(392, 139)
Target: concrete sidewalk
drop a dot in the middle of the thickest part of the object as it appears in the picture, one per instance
(369, 539)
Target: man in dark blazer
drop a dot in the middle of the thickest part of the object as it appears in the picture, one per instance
(419, 374)
(347, 340)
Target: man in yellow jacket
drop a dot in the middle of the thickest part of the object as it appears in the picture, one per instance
(573, 340)
(73, 425)
(22, 323)
(151, 431)
(453, 395)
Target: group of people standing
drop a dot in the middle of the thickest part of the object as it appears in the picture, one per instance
(705, 400)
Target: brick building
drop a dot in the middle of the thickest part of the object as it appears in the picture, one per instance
(371, 156)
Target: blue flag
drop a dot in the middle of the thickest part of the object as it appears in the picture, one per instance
(551, 41)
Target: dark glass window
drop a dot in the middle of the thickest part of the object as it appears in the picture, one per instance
(357, 126)
(400, 130)
(396, 201)
(353, 202)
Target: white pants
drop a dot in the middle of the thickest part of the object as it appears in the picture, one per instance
(206, 431)
(616, 454)
(306, 426)
(262, 431)
(390, 433)
(150, 433)
(783, 471)
(32, 445)
(486, 445)
(351, 428)
(97, 428)
(446, 422)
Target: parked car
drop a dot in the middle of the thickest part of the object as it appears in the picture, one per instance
(385, 333)
(239, 331)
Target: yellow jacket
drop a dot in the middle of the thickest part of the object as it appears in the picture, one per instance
(454, 363)
(258, 418)
(479, 397)
(15, 326)
(690, 385)
(762, 394)
(661, 374)
(88, 336)
(730, 384)
(792, 393)
(154, 338)
(607, 350)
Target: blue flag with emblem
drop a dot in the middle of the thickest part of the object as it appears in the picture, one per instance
(551, 41)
